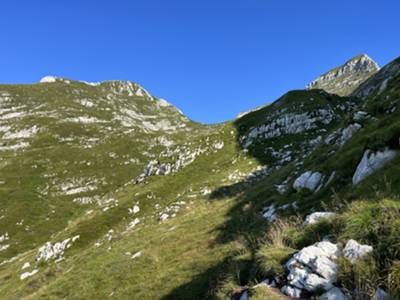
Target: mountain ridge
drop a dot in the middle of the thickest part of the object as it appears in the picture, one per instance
(345, 78)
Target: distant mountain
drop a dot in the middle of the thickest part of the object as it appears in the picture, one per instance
(344, 79)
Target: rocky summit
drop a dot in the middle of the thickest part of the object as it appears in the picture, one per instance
(344, 79)
(109, 192)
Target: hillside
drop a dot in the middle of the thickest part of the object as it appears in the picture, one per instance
(110, 192)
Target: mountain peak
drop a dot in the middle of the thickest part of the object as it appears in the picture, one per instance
(343, 80)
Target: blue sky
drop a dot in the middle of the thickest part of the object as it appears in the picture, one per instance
(211, 58)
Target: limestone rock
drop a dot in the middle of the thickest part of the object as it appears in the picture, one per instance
(314, 267)
(353, 250)
(309, 180)
(317, 216)
(56, 251)
(28, 274)
(371, 162)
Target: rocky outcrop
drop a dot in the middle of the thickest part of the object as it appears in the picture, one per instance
(155, 167)
(345, 79)
(289, 123)
(317, 216)
(54, 252)
(354, 251)
(308, 180)
(372, 162)
(313, 267)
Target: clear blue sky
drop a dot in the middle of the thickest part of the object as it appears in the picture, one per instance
(211, 58)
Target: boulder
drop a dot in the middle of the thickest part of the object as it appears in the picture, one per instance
(371, 162)
(314, 267)
(308, 180)
(317, 216)
(333, 294)
(354, 251)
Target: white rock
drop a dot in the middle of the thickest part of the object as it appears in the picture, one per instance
(291, 291)
(371, 162)
(134, 210)
(25, 266)
(48, 79)
(309, 180)
(56, 251)
(333, 294)
(269, 213)
(137, 254)
(28, 274)
(4, 237)
(219, 145)
(348, 132)
(317, 216)
(4, 247)
(135, 222)
(164, 217)
(314, 267)
(353, 250)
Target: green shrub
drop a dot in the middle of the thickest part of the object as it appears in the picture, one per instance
(307, 235)
(361, 277)
(271, 260)
(376, 223)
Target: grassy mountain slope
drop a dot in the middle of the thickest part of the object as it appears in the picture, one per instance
(214, 238)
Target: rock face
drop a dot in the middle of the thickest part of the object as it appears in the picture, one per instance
(308, 180)
(314, 267)
(345, 79)
(353, 251)
(289, 123)
(371, 162)
(317, 216)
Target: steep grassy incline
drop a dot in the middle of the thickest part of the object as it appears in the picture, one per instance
(67, 144)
